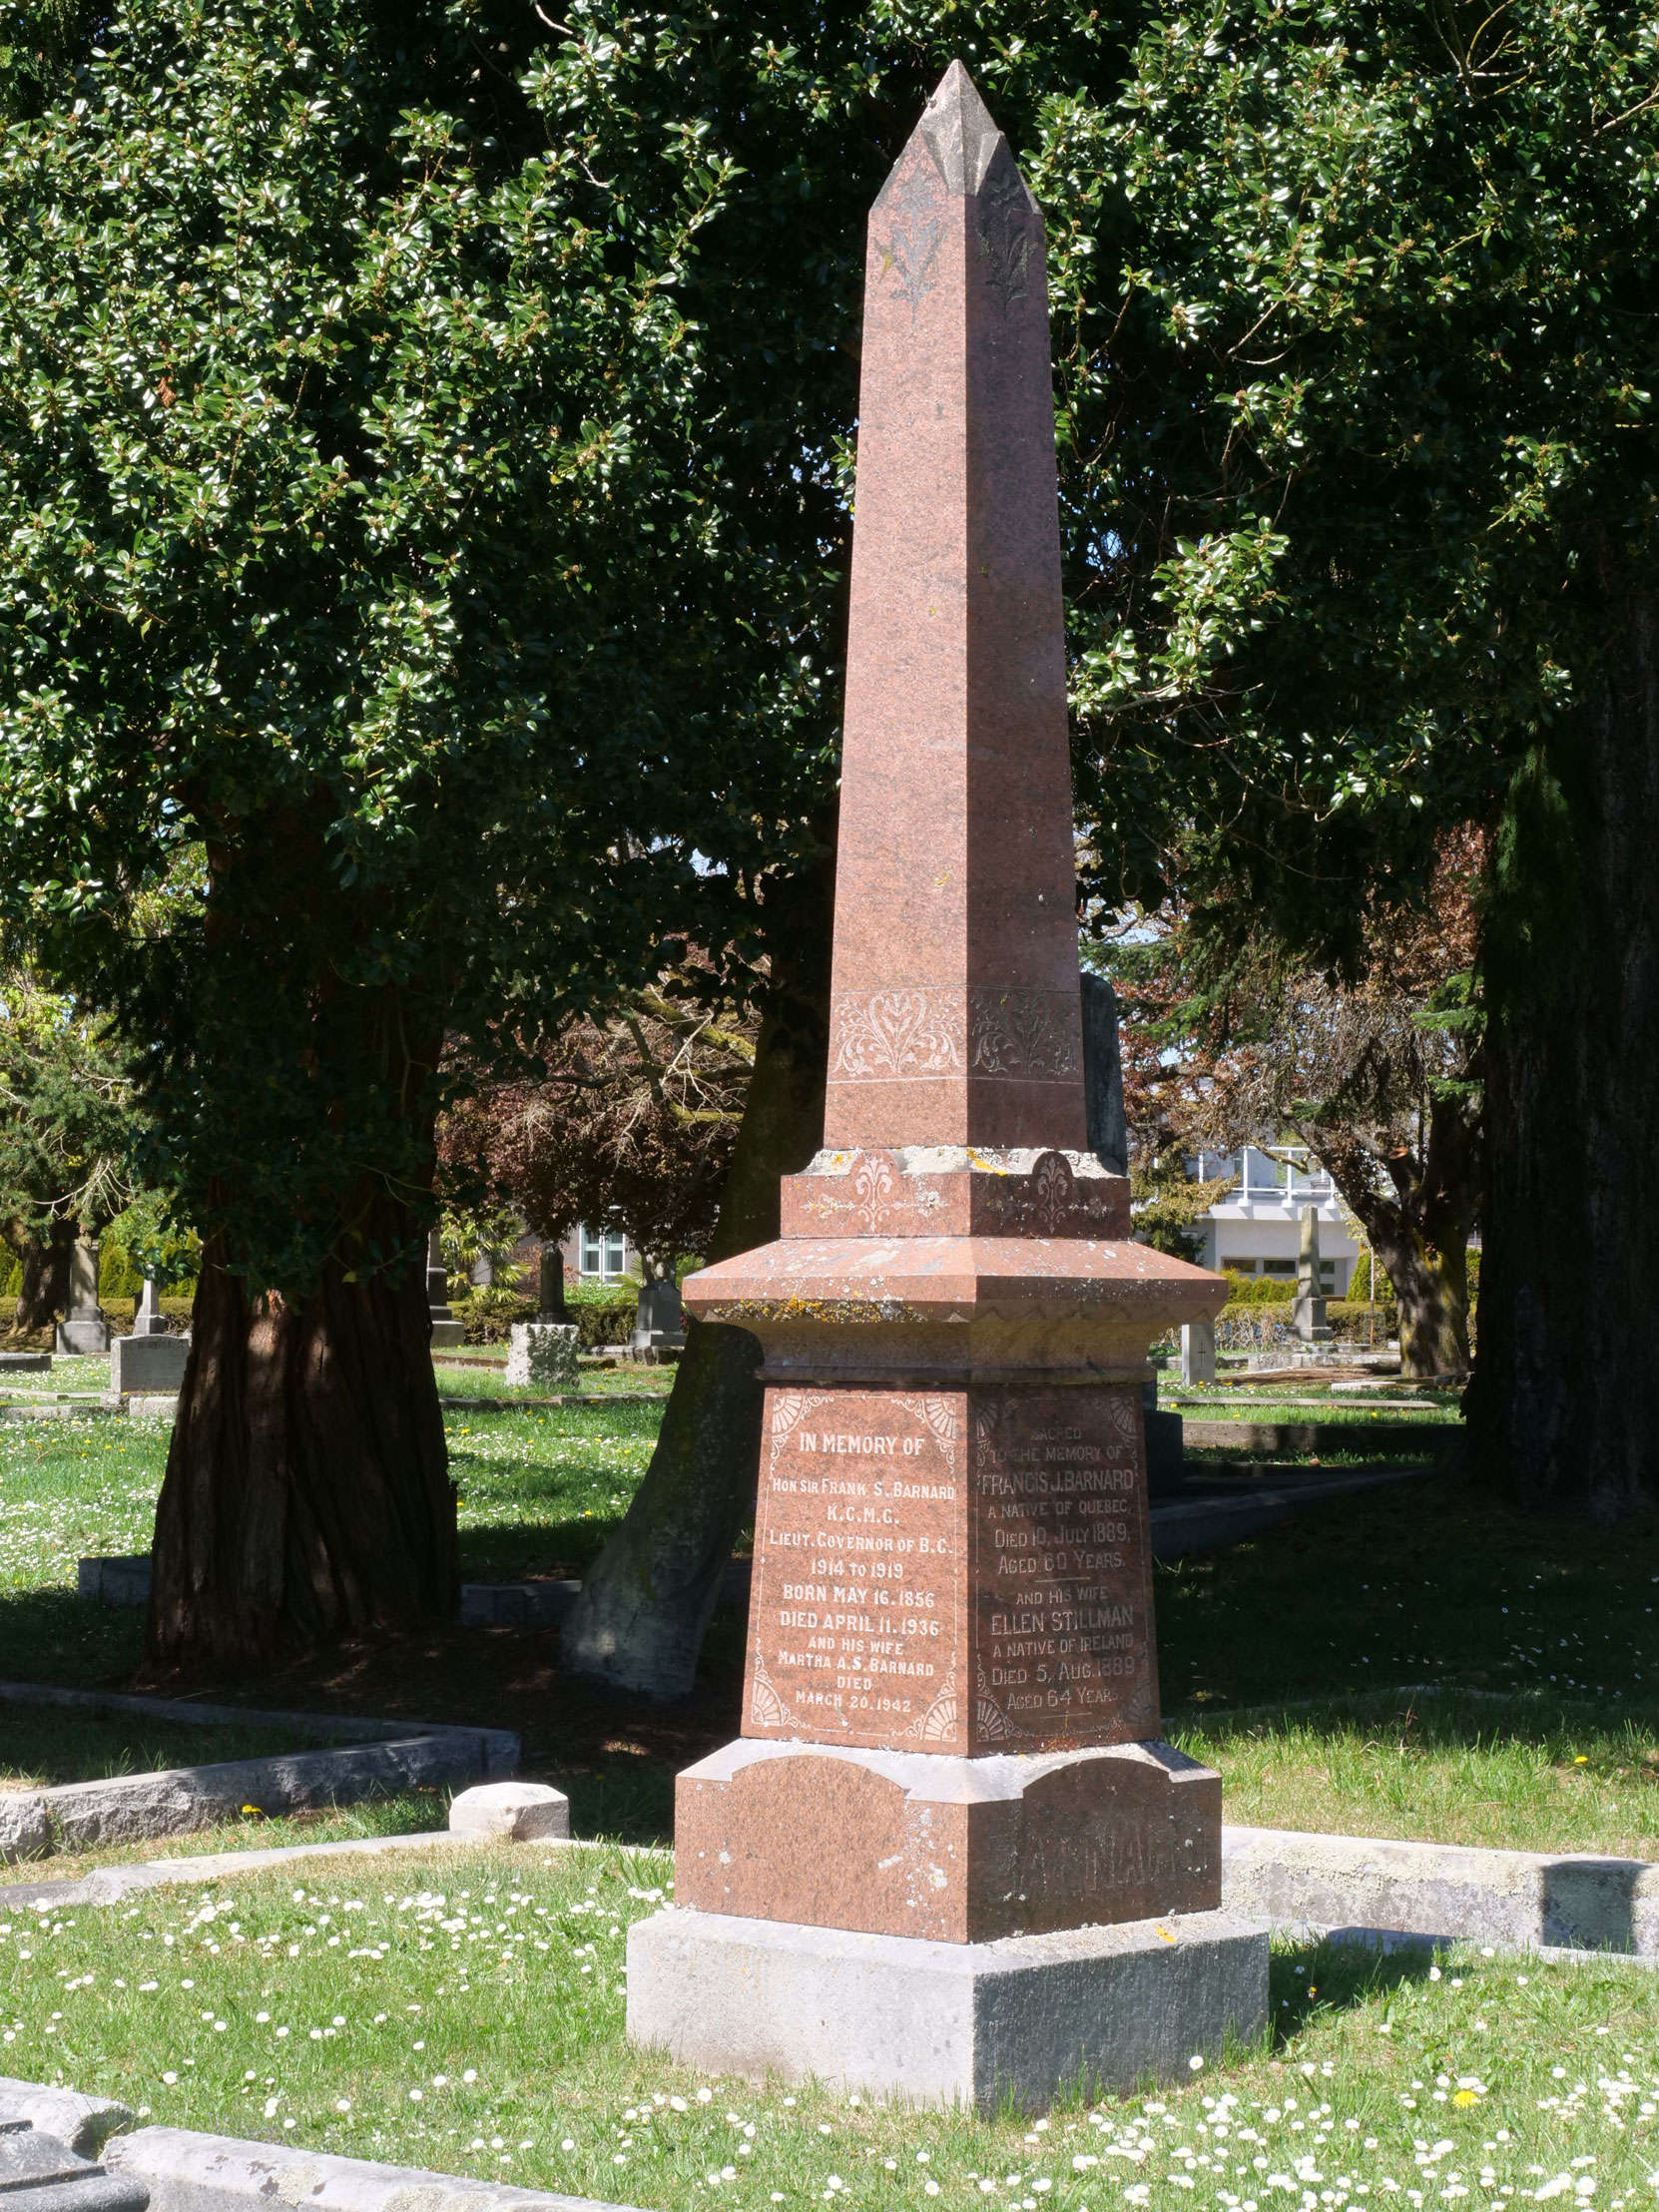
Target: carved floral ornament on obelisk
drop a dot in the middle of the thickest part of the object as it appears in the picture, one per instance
(950, 1707)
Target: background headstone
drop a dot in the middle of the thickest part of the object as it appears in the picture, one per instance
(1198, 1351)
(1103, 1075)
(1308, 1310)
(659, 1319)
(85, 1328)
(148, 1364)
(542, 1352)
(150, 1321)
(446, 1329)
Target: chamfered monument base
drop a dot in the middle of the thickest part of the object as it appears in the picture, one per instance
(952, 1850)
(945, 2023)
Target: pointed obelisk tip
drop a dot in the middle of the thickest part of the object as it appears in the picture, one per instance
(958, 129)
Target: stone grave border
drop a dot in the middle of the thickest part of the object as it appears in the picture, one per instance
(1564, 1907)
(379, 1758)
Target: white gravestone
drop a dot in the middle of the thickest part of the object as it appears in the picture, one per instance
(513, 1812)
(148, 1320)
(542, 1352)
(1198, 1352)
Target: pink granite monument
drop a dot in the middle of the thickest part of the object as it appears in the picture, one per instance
(950, 1708)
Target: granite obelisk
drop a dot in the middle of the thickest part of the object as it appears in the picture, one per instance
(950, 1710)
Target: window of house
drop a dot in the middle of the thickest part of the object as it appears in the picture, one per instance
(604, 1254)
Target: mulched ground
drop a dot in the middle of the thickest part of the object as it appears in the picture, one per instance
(615, 1752)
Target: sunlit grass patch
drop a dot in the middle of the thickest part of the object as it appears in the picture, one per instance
(1522, 1774)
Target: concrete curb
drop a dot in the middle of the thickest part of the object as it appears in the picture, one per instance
(1183, 1525)
(110, 1884)
(1397, 1437)
(187, 2172)
(383, 1758)
(544, 1603)
(1573, 1905)
(84, 2123)
(1308, 1887)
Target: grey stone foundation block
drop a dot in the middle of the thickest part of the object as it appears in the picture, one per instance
(945, 2023)
(187, 2172)
(1447, 1893)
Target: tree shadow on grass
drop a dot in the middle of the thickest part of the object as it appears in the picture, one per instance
(1306, 1979)
(51, 1635)
(526, 1551)
(623, 1804)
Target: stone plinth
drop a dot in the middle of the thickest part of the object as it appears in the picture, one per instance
(946, 2024)
(543, 1351)
(952, 1850)
(82, 1336)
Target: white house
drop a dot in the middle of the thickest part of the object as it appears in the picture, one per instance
(1256, 1229)
(599, 1255)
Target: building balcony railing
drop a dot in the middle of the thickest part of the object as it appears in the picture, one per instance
(1263, 1179)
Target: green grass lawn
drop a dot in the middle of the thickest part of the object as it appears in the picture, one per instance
(463, 2010)
(539, 1492)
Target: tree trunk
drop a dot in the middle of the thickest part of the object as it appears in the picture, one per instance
(648, 1600)
(1564, 1407)
(45, 1292)
(307, 1491)
(1421, 1232)
(1433, 1290)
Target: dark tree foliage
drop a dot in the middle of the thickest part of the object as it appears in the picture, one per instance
(1361, 471)
(363, 540)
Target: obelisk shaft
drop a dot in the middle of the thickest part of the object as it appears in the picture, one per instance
(955, 1014)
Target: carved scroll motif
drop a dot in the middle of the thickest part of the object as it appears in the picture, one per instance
(910, 250)
(1006, 233)
(939, 1416)
(892, 1035)
(788, 1410)
(899, 1035)
(1024, 1033)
